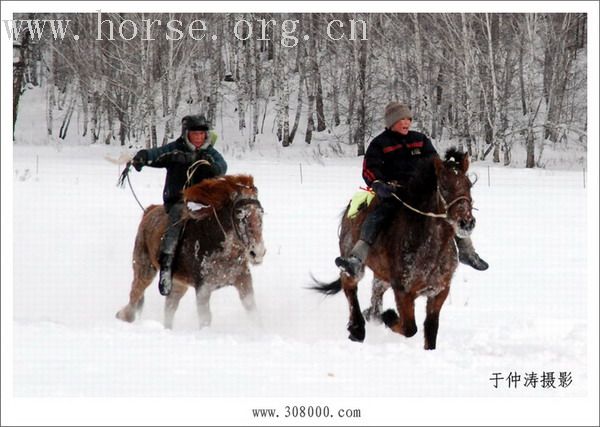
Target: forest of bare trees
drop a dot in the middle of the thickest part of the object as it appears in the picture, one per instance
(487, 81)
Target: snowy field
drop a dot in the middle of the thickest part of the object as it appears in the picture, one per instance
(73, 236)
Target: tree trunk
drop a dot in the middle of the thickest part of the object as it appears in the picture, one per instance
(215, 80)
(85, 108)
(51, 99)
(253, 65)
(421, 108)
(336, 108)
(282, 89)
(301, 84)
(530, 148)
(167, 91)
(316, 73)
(19, 74)
(67, 119)
(467, 133)
(492, 102)
(310, 123)
(359, 136)
(351, 90)
(522, 79)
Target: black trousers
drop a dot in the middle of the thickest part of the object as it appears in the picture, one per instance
(169, 241)
(377, 219)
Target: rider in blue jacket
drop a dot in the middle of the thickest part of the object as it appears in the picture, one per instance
(188, 160)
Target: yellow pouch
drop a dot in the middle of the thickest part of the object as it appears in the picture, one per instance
(360, 198)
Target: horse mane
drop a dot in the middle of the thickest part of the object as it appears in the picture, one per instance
(424, 181)
(454, 158)
(217, 192)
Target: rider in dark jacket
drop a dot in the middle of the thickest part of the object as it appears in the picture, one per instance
(391, 156)
(389, 159)
(188, 160)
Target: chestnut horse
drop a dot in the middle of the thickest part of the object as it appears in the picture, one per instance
(222, 234)
(416, 254)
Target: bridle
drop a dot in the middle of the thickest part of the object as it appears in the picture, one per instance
(242, 201)
(242, 237)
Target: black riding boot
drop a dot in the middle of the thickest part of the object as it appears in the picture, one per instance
(353, 263)
(468, 256)
(168, 245)
(165, 280)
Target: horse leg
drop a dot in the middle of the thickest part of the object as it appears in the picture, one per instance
(404, 322)
(140, 306)
(378, 289)
(431, 324)
(356, 322)
(243, 284)
(143, 274)
(172, 302)
(203, 292)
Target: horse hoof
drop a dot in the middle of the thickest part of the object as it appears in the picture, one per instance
(356, 334)
(355, 338)
(410, 331)
(389, 317)
(125, 315)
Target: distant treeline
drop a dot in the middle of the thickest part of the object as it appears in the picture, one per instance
(488, 80)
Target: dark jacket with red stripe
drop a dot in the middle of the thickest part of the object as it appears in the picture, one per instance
(391, 156)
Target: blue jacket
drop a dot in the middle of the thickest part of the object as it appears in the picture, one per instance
(177, 179)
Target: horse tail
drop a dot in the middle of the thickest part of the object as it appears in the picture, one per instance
(342, 216)
(327, 288)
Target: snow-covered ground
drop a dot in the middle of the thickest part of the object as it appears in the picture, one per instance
(73, 233)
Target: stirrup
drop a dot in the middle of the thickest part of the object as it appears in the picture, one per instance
(350, 265)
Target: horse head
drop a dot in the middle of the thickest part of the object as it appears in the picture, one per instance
(236, 198)
(247, 221)
(455, 189)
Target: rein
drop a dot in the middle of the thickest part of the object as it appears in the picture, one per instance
(431, 214)
(192, 169)
(125, 176)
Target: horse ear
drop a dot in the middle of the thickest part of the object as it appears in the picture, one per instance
(466, 161)
(438, 164)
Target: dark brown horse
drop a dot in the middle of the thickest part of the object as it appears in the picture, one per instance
(222, 234)
(416, 254)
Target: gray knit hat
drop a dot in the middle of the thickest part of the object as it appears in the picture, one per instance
(395, 111)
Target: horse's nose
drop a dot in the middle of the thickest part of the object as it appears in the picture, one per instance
(257, 252)
(467, 224)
